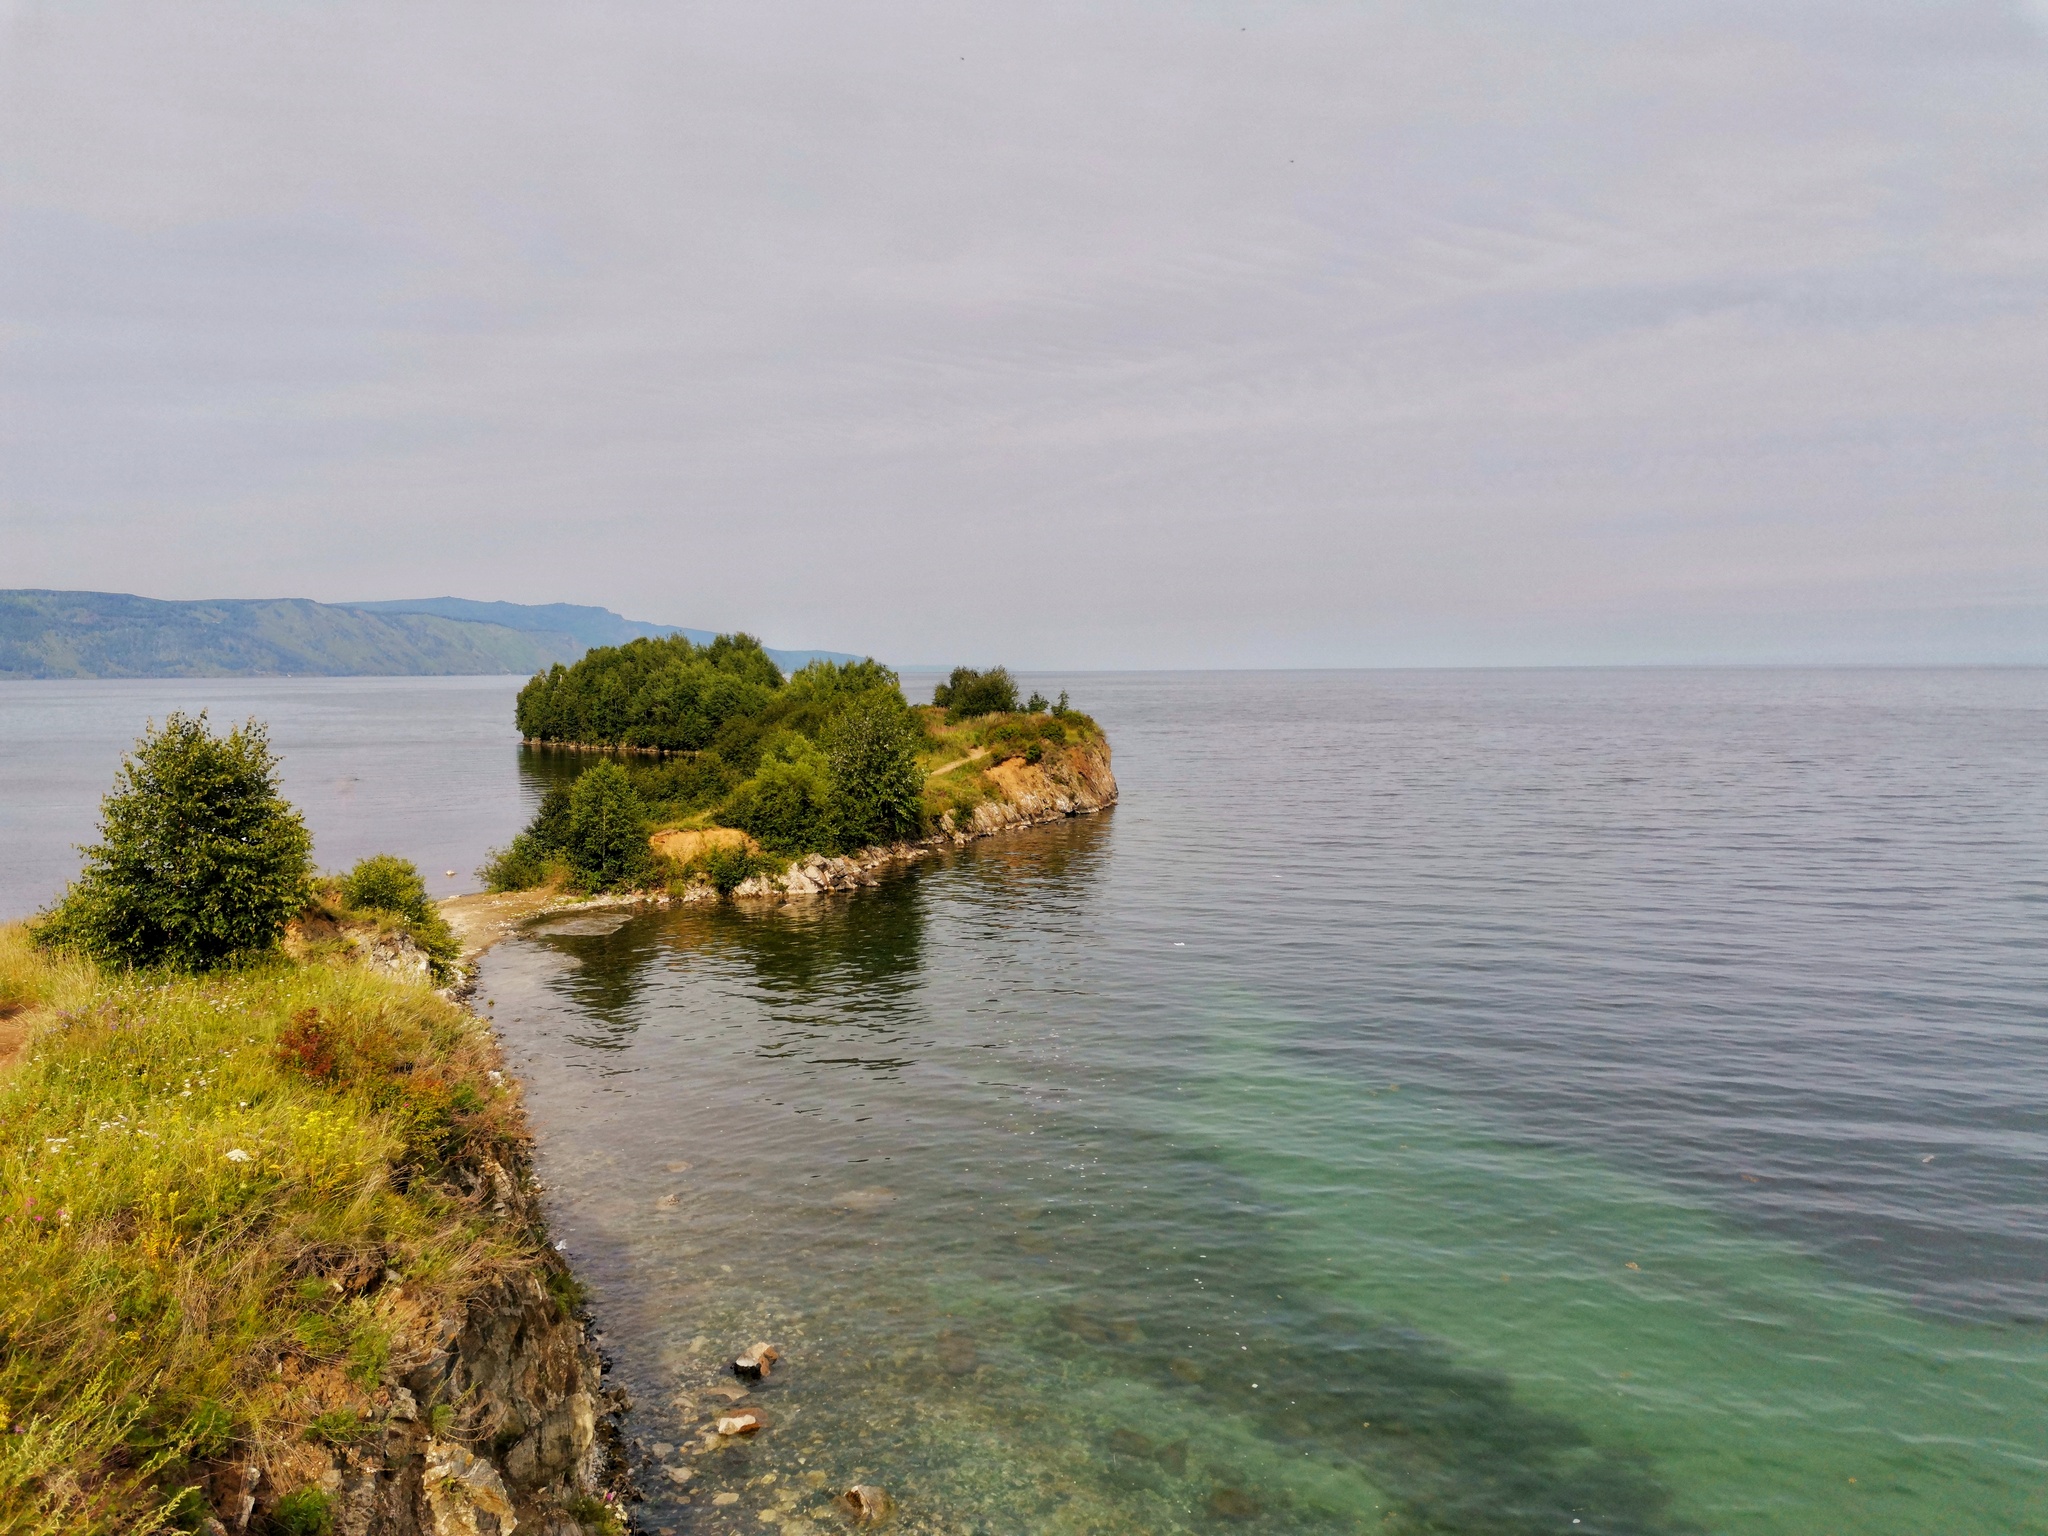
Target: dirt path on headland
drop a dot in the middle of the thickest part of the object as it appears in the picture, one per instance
(960, 762)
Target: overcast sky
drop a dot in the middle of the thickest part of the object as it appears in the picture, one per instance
(1077, 335)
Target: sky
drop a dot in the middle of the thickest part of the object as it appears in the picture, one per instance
(1189, 334)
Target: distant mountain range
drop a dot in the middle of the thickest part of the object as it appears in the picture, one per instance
(113, 634)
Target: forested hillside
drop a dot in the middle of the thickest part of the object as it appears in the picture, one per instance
(113, 634)
(110, 634)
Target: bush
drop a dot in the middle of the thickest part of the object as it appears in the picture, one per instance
(384, 882)
(538, 854)
(607, 835)
(201, 861)
(968, 693)
(520, 866)
(728, 868)
(877, 785)
(787, 806)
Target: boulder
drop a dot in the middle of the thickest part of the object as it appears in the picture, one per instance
(757, 1362)
(464, 1493)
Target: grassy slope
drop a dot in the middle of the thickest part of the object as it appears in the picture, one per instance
(106, 634)
(957, 757)
(163, 1302)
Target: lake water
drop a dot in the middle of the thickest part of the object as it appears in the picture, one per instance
(424, 766)
(1477, 1102)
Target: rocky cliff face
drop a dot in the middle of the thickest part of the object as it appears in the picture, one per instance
(1074, 781)
(493, 1422)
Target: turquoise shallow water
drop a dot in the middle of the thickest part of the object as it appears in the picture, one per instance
(1458, 1102)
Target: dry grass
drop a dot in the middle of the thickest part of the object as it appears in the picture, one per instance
(228, 1206)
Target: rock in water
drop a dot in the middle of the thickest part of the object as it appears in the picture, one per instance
(957, 1355)
(867, 1504)
(1233, 1504)
(757, 1362)
(864, 1199)
(1128, 1442)
(745, 1422)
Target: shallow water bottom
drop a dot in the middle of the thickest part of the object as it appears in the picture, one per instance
(1044, 1256)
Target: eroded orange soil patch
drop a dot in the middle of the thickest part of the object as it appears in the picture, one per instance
(685, 846)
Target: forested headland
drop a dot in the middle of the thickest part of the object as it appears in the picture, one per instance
(828, 760)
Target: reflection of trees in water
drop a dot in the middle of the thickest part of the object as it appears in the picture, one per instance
(1056, 867)
(544, 768)
(607, 982)
(858, 953)
(831, 968)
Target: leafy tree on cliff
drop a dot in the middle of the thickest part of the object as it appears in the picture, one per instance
(201, 861)
(968, 693)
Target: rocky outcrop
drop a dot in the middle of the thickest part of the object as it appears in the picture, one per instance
(489, 1420)
(1072, 782)
(502, 1427)
(393, 953)
(521, 1441)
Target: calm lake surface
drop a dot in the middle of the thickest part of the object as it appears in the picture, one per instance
(1463, 1102)
(424, 766)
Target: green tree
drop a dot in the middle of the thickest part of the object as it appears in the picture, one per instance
(787, 805)
(607, 841)
(968, 693)
(650, 693)
(201, 861)
(384, 882)
(877, 785)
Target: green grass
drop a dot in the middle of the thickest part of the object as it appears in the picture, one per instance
(227, 1205)
(1034, 737)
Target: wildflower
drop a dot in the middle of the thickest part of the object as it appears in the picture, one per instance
(237, 1155)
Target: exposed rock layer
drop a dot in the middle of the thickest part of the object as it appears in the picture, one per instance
(1073, 782)
(526, 1431)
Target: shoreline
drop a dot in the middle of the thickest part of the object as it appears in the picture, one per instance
(410, 1350)
(1031, 798)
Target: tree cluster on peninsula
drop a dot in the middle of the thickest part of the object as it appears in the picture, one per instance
(831, 759)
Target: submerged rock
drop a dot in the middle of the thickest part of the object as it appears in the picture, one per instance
(867, 1504)
(957, 1355)
(1233, 1504)
(744, 1422)
(1128, 1442)
(864, 1199)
